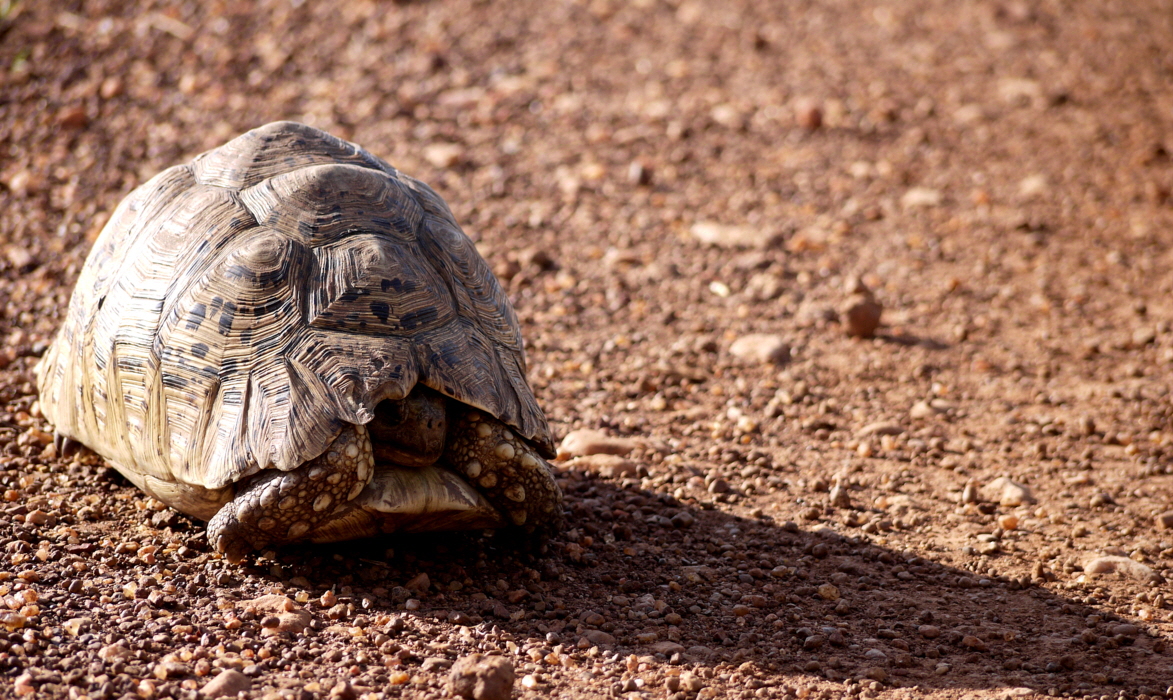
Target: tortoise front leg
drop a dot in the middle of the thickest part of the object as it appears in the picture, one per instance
(507, 470)
(276, 507)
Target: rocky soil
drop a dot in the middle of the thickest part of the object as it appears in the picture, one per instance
(699, 209)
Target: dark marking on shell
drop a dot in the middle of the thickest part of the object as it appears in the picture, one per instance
(381, 309)
(131, 363)
(269, 308)
(200, 350)
(196, 318)
(415, 319)
(226, 318)
(241, 272)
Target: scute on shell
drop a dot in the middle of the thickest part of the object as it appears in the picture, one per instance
(236, 312)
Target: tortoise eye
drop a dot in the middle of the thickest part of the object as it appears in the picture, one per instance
(390, 413)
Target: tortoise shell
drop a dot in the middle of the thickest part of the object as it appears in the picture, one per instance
(237, 312)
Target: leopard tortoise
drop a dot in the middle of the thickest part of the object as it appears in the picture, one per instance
(289, 338)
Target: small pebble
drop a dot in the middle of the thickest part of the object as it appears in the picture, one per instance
(579, 443)
(861, 316)
(1124, 565)
(971, 642)
(608, 466)
(599, 637)
(877, 674)
(227, 684)
(880, 428)
(419, 583)
(639, 173)
(1007, 493)
(829, 591)
(921, 410)
(690, 683)
(443, 155)
(808, 114)
(23, 685)
(73, 117)
(433, 664)
(479, 677)
(727, 236)
(667, 648)
(761, 348)
(920, 198)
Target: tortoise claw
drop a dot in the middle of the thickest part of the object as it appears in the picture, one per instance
(66, 446)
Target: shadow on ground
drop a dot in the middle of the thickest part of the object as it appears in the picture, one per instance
(751, 607)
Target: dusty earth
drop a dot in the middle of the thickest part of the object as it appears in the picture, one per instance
(660, 183)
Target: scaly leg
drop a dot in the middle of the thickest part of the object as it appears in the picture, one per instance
(276, 507)
(511, 474)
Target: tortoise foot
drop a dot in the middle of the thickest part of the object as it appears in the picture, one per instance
(506, 470)
(276, 507)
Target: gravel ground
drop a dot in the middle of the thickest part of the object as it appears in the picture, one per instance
(698, 208)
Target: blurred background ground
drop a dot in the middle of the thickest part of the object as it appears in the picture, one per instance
(682, 198)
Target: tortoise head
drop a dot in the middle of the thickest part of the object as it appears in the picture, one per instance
(410, 432)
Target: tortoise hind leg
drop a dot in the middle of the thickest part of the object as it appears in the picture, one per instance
(276, 507)
(507, 470)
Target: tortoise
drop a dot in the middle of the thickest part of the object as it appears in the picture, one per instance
(292, 340)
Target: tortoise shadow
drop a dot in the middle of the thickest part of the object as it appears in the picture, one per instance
(642, 574)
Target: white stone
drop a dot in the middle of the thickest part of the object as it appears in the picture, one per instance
(1099, 566)
(578, 443)
(733, 236)
(920, 197)
(761, 348)
(1007, 492)
(880, 428)
(443, 155)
